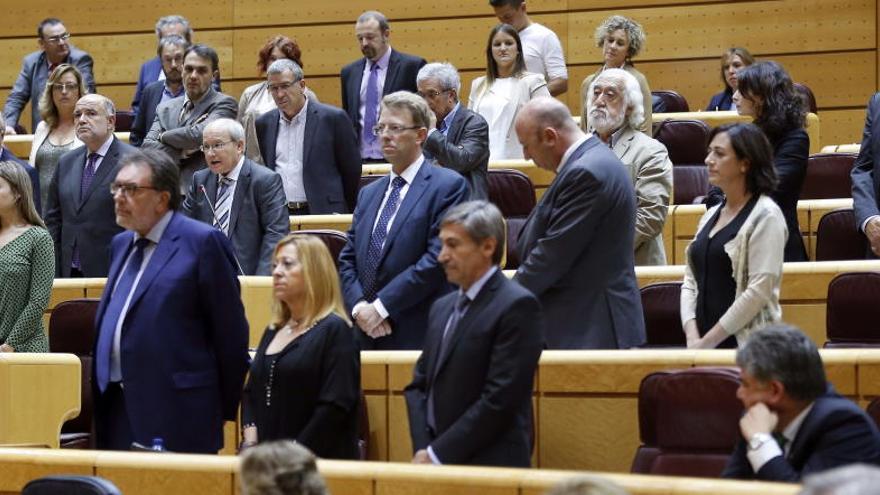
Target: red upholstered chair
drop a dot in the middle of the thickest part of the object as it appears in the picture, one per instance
(853, 312)
(72, 330)
(688, 422)
(828, 176)
(512, 192)
(838, 239)
(807, 95)
(686, 142)
(334, 239)
(873, 410)
(124, 120)
(672, 101)
(660, 305)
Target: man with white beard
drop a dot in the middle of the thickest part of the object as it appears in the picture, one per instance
(616, 110)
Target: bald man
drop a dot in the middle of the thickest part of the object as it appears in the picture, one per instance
(576, 245)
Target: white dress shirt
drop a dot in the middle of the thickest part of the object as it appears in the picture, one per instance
(289, 154)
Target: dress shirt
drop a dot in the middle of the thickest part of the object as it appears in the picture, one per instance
(233, 176)
(570, 150)
(167, 94)
(770, 450)
(102, 152)
(289, 153)
(374, 151)
(154, 235)
(615, 136)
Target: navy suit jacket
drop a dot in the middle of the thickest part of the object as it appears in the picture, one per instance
(184, 338)
(8, 156)
(149, 74)
(482, 383)
(408, 276)
(401, 76)
(576, 248)
(331, 159)
(720, 101)
(865, 180)
(88, 221)
(465, 149)
(834, 433)
(146, 114)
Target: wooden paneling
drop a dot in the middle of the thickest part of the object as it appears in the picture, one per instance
(843, 126)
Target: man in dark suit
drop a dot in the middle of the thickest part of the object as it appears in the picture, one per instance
(382, 71)
(79, 213)
(795, 424)
(388, 267)
(239, 197)
(310, 144)
(177, 128)
(171, 344)
(470, 398)
(460, 138)
(576, 245)
(866, 181)
(171, 50)
(55, 49)
(8, 156)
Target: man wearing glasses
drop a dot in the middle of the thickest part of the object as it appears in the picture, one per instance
(55, 49)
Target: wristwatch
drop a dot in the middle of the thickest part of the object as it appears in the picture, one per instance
(758, 440)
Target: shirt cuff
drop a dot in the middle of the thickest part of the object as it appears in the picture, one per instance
(380, 308)
(763, 454)
(865, 223)
(433, 457)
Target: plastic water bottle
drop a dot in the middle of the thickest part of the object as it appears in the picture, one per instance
(158, 445)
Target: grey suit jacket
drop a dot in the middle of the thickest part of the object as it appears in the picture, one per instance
(258, 217)
(650, 170)
(576, 258)
(32, 79)
(465, 149)
(87, 221)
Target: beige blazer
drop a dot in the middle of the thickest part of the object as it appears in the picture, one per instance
(40, 135)
(646, 97)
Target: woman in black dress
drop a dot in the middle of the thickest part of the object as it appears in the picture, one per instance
(304, 381)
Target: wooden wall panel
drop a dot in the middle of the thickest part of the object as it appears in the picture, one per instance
(842, 126)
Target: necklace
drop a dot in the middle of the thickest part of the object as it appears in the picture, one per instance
(289, 327)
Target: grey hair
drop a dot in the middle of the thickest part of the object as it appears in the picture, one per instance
(169, 20)
(415, 104)
(634, 33)
(278, 468)
(782, 352)
(481, 220)
(172, 40)
(854, 479)
(378, 16)
(444, 72)
(632, 95)
(285, 64)
(164, 171)
(229, 126)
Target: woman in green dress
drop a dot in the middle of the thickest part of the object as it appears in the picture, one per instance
(27, 265)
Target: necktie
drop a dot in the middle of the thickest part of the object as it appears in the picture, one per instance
(371, 107)
(109, 322)
(88, 176)
(377, 240)
(184, 112)
(781, 440)
(223, 205)
(441, 126)
(461, 305)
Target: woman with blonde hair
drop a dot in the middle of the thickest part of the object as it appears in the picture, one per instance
(27, 264)
(56, 133)
(283, 467)
(304, 382)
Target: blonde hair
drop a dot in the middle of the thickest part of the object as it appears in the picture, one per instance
(322, 293)
(20, 183)
(282, 467)
(587, 484)
(48, 110)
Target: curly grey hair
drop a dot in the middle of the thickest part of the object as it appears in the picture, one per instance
(634, 33)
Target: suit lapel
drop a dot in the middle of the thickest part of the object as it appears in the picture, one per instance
(371, 211)
(309, 134)
(434, 341)
(354, 89)
(414, 193)
(457, 126)
(201, 107)
(107, 164)
(391, 73)
(164, 252)
(272, 140)
(242, 186)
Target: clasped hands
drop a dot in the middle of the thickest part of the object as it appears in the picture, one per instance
(6, 348)
(370, 321)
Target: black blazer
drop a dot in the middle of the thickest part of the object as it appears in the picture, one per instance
(465, 149)
(720, 101)
(834, 433)
(865, 181)
(88, 222)
(401, 76)
(316, 390)
(482, 384)
(331, 159)
(150, 98)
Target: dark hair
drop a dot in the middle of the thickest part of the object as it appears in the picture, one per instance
(481, 220)
(49, 21)
(501, 3)
(781, 108)
(750, 144)
(491, 67)
(171, 40)
(742, 53)
(288, 47)
(165, 173)
(204, 51)
(376, 16)
(782, 352)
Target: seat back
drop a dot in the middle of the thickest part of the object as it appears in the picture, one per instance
(853, 313)
(366, 180)
(124, 120)
(70, 485)
(512, 192)
(688, 421)
(691, 182)
(808, 97)
(837, 237)
(672, 101)
(333, 239)
(660, 305)
(685, 140)
(828, 176)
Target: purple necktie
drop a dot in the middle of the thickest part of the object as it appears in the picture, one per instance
(88, 176)
(371, 107)
(377, 240)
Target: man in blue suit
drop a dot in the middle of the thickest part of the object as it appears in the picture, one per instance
(8, 156)
(388, 268)
(171, 346)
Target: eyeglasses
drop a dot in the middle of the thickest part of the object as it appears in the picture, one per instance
(62, 87)
(55, 40)
(213, 147)
(394, 130)
(432, 94)
(127, 190)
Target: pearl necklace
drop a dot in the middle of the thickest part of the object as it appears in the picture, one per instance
(289, 328)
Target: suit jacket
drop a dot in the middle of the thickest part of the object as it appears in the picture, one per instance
(790, 154)
(834, 433)
(179, 137)
(32, 79)
(184, 338)
(401, 76)
(149, 74)
(8, 156)
(87, 221)
(465, 149)
(482, 385)
(650, 171)
(573, 261)
(408, 276)
(866, 183)
(258, 216)
(151, 96)
(721, 101)
(331, 159)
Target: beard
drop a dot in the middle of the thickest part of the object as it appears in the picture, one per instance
(605, 123)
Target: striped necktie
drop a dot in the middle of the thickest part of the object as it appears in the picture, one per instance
(223, 205)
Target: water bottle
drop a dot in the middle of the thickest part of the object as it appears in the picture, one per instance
(158, 445)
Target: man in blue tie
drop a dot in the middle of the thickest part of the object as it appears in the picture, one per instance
(388, 267)
(171, 349)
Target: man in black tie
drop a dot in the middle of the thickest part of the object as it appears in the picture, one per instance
(79, 206)
(470, 398)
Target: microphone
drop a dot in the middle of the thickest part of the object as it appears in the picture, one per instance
(216, 222)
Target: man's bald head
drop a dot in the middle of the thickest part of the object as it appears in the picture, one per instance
(546, 129)
(547, 112)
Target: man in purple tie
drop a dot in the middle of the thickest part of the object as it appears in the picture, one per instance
(79, 207)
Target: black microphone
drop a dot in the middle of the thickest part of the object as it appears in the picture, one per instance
(216, 222)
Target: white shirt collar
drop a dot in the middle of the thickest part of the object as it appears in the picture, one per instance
(570, 151)
(410, 173)
(299, 115)
(155, 234)
(791, 431)
(233, 174)
(477, 286)
(102, 151)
